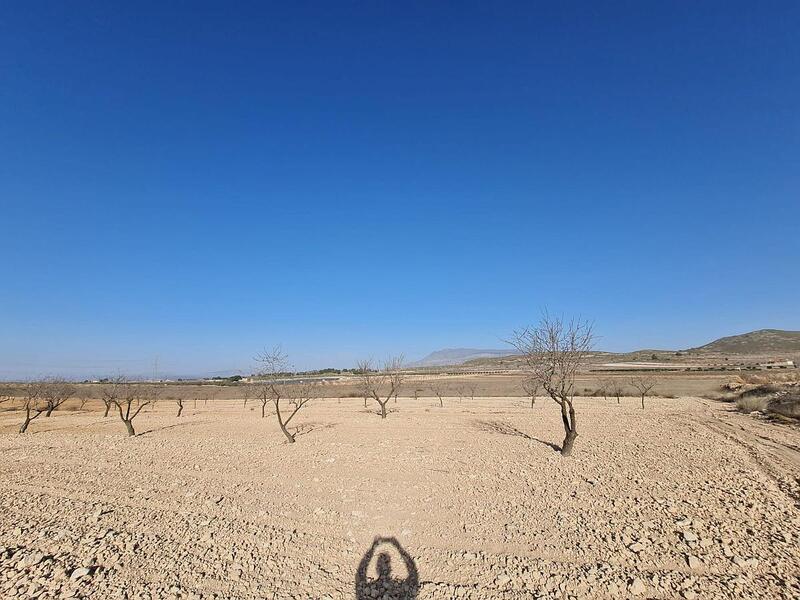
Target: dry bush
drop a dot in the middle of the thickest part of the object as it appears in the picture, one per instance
(787, 406)
(748, 404)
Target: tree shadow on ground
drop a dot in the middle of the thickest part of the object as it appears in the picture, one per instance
(306, 428)
(504, 428)
(386, 586)
(155, 429)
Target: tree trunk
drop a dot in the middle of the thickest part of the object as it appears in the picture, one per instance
(533, 401)
(263, 409)
(180, 409)
(289, 436)
(441, 404)
(49, 411)
(383, 408)
(570, 426)
(365, 402)
(569, 442)
(642, 401)
(108, 407)
(129, 427)
(24, 427)
(617, 398)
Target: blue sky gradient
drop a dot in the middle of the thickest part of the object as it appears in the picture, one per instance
(200, 180)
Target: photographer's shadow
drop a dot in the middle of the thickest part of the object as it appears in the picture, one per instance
(386, 585)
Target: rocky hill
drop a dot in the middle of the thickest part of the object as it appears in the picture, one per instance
(763, 341)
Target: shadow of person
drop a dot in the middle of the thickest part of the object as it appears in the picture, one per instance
(386, 586)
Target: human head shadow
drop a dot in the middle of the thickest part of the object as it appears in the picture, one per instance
(386, 585)
(504, 428)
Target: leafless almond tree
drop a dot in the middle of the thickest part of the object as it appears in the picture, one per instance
(553, 352)
(32, 403)
(603, 387)
(263, 396)
(439, 389)
(615, 388)
(55, 392)
(644, 384)
(473, 388)
(83, 396)
(111, 391)
(247, 393)
(274, 368)
(130, 399)
(531, 387)
(374, 384)
(179, 401)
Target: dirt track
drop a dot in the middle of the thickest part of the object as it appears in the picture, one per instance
(683, 499)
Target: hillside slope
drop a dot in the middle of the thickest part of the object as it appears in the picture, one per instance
(756, 342)
(457, 356)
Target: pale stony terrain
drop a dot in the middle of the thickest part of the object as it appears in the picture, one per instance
(684, 499)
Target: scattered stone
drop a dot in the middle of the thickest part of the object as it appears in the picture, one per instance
(637, 587)
(693, 562)
(80, 572)
(31, 560)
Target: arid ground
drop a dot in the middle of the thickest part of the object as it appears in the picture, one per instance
(686, 498)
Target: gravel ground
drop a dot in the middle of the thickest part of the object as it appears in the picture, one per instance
(683, 499)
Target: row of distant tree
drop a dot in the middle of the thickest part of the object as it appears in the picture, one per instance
(553, 352)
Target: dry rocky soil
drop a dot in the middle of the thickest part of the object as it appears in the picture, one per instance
(685, 499)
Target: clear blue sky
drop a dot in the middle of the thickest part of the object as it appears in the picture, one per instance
(197, 181)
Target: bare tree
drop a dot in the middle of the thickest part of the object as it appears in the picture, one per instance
(643, 384)
(111, 391)
(603, 387)
(460, 392)
(263, 396)
(439, 388)
(615, 388)
(55, 392)
(179, 401)
(531, 387)
(83, 396)
(373, 383)
(247, 393)
(32, 403)
(553, 351)
(274, 366)
(130, 399)
(473, 388)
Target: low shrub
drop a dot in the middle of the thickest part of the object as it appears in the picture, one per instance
(748, 404)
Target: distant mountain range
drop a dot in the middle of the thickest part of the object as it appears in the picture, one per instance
(763, 341)
(457, 356)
